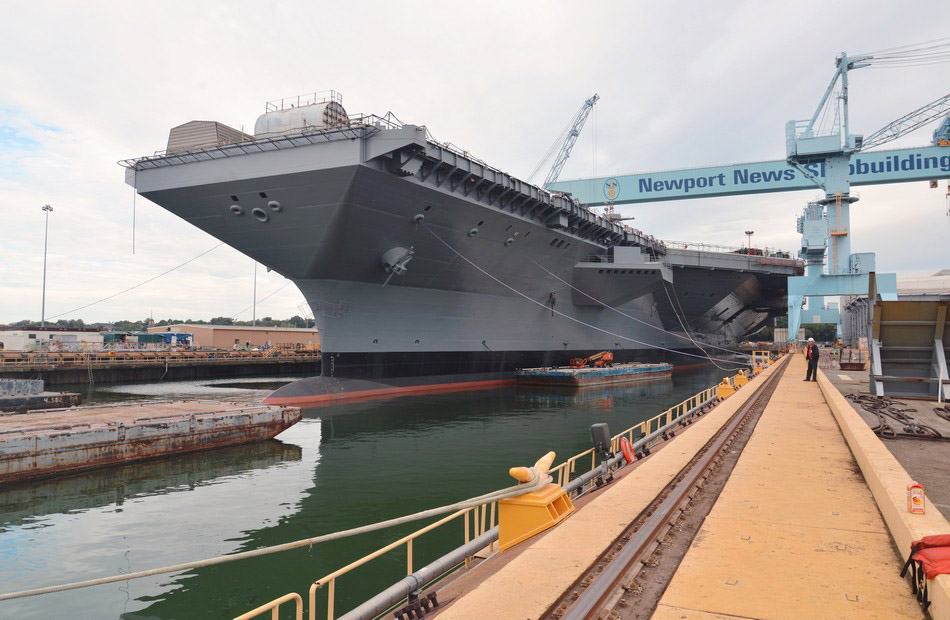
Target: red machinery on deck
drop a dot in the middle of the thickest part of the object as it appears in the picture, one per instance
(597, 360)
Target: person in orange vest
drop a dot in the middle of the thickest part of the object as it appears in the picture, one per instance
(811, 354)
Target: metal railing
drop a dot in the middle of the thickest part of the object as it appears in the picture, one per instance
(274, 608)
(567, 470)
(765, 252)
(323, 96)
(480, 519)
(474, 525)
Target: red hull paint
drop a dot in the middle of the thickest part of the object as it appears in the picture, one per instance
(323, 400)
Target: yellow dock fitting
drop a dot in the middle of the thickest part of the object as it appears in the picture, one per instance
(724, 390)
(740, 379)
(762, 358)
(521, 517)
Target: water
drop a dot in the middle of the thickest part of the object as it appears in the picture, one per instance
(339, 467)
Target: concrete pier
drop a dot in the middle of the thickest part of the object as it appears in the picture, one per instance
(811, 523)
(796, 532)
(540, 569)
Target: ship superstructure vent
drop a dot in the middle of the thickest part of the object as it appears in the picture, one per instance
(294, 115)
(202, 134)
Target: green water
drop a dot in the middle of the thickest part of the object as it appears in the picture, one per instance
(339, 467)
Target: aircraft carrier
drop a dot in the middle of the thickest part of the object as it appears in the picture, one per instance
(424, 266)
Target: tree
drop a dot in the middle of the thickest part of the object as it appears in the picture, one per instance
(821, 332)
(222, 320)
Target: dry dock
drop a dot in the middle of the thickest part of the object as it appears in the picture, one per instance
(45, 443)
(811, 522)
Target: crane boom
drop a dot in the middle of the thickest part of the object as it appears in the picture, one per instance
(909, 122)
(576, 126)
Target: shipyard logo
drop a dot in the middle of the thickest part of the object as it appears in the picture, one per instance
(611, 189)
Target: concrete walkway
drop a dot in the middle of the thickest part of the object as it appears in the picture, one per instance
(547, 564)
(796, 532)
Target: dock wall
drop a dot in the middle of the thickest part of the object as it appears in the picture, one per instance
(888, 482)
(127, 373)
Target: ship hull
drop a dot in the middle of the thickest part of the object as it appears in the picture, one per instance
(426, 268)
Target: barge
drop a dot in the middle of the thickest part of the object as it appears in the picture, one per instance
(60, 441)
(20, 395)
(580, 377)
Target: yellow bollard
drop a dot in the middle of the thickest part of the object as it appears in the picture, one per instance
(521, 517)
(724, 390)
(741, 379)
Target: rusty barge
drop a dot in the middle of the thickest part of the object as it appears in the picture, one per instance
(600, 375)
(47, 443)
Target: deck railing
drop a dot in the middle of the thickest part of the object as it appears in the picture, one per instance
(480, 519)
(765, 252)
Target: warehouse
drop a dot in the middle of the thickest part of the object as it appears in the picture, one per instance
(231, 336)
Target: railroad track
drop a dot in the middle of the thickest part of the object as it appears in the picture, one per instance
(609, 587)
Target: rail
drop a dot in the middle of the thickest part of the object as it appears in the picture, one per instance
(597, 597)
(323, 96)
(478, 527)
(765, 252)
(567, 470)
(274, 608)
(481, 519)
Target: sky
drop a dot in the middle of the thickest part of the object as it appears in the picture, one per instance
(682, 84)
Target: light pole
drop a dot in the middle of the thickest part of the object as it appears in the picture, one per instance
(254, 312)
(46, 208)
(749, 234)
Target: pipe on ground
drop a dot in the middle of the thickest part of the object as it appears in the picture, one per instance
(421, 578)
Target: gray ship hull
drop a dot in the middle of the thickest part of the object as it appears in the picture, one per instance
(497, 274)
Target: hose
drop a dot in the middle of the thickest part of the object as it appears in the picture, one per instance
(887, 410)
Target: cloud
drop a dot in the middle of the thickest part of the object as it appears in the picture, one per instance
(682, 84)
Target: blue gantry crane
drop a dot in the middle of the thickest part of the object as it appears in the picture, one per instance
(566, 141)
(942, 133)
(819, 151)
(813, 146)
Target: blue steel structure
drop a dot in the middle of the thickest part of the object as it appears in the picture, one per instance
(827, 157)
(875, 168)
(942, 133)
(576, 126)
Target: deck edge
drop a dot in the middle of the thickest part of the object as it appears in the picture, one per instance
(888, 481)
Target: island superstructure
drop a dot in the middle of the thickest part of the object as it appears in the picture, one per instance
(423, 265)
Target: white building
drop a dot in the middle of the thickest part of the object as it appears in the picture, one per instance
(48, 339)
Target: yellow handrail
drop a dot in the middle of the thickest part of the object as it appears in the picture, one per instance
(274, 608)
(330, 579)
